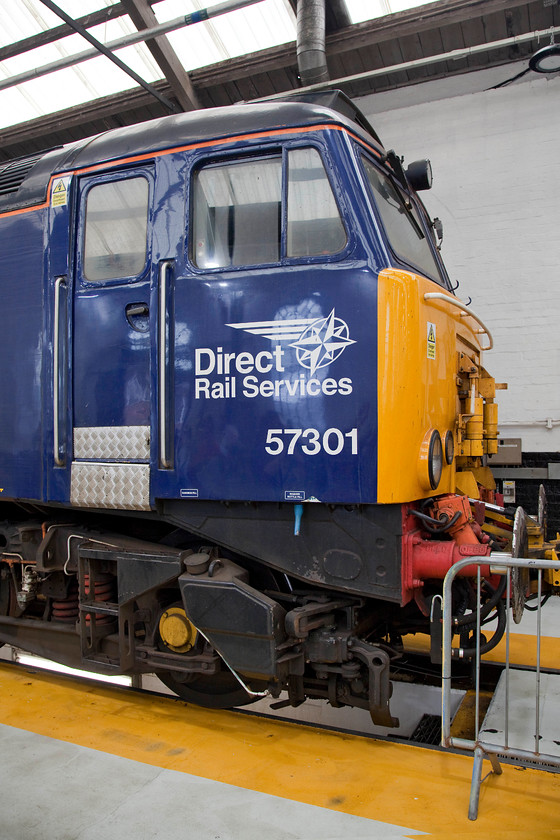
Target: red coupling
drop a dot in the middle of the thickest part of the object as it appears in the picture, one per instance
(457, 509)
(427, 558)
(433, 559)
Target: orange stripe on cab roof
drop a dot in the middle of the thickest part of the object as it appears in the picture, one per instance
(187, 148)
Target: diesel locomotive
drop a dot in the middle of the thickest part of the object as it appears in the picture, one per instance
(243, 416)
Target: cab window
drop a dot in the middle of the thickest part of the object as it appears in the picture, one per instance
(402, 223)
(240, 210)
(237, 211)
(116, 229)
(314, 223)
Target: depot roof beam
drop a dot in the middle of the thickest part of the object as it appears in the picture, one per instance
(142, 16)
(108, 54)
(426, 18)
(125, 41)
(40, 39)
(452, 55)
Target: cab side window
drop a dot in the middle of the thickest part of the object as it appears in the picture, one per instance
(239, 211)
(116, 229)
(314, 223)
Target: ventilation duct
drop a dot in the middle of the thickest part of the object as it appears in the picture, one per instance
(311, 55)
(14, 173)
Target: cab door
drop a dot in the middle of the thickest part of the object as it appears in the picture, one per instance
(111, 378)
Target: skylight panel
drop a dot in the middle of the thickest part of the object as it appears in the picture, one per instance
(266, 24)
(254, 28)
(362, 10)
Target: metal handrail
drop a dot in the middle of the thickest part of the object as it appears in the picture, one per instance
(466, 311)
(500, 563)
(162, 364)
(59, 284)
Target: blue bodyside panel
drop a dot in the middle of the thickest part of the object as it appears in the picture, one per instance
(242, 397)
(273, 370)
(59, 264)
(270, 374)
(111, 359)
(21, 289)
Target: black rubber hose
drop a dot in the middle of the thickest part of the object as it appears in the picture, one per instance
(542, 603)
(466, 620)
(436, 526)
(469, 653)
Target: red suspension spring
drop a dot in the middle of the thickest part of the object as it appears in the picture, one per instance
(104, 589)
(66, 609)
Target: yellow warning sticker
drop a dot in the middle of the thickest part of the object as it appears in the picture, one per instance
(60, 193)
(431, 340)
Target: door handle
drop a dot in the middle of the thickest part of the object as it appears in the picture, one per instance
(137, 316)
(137, 309)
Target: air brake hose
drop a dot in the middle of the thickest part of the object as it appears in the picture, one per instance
(465, 620)
(436, 526)
(469, 653)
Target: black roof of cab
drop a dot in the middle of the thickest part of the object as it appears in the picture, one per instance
(24, 182)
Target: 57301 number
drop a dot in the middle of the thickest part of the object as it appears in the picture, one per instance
(310, 441)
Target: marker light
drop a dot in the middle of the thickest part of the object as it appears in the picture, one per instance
(419, 174)
(435, 460)
(431, 460)
(449, 448)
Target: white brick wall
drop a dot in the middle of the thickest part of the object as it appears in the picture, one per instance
(496, 162)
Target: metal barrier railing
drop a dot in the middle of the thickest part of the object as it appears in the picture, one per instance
(500, 563)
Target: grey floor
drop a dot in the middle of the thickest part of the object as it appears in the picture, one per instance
(52, 790)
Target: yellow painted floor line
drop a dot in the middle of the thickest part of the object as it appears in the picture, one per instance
(426, 790)
(522, 650)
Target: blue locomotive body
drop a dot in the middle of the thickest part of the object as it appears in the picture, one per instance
(201, 355)
(229, 363)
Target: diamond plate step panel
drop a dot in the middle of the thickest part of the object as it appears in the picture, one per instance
(112, 443)
(120, 486)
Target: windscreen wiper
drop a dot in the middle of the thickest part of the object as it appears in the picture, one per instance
(395, 163)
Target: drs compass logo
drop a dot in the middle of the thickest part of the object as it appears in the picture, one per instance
(317, 343)
(322, 342)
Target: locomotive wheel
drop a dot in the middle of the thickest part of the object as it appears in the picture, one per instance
(212, 691)
(220, 691)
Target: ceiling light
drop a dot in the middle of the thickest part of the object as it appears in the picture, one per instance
(546, 60)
